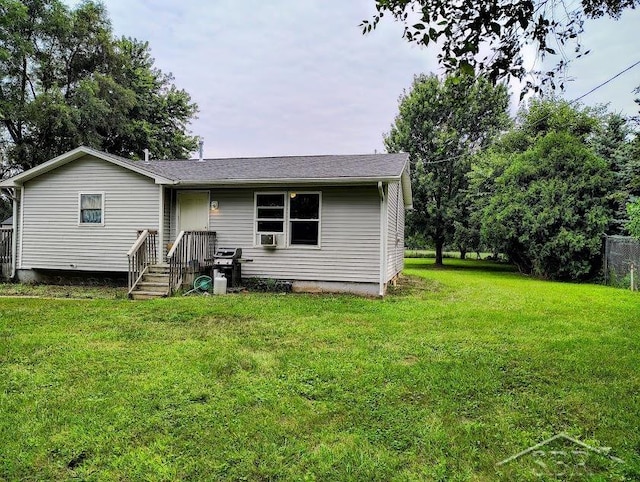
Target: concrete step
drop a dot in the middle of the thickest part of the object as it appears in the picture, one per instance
(156, 269)
(147, 294)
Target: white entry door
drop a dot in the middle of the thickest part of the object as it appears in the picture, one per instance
(193, 211)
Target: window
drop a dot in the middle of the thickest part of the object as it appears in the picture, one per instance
(295, 215)
(270, 213)
(91, 208)
(304, 218)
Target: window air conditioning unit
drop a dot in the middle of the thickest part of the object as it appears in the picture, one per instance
(268, 240)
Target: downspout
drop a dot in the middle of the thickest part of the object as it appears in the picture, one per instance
(14, 241)
(21, 222)
(383, 236)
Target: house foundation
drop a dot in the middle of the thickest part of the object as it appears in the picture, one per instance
(362, 289)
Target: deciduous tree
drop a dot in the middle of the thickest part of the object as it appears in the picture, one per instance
(547, 194)
(65, 81)
(489, 36)
(441, 123)
(633, 210)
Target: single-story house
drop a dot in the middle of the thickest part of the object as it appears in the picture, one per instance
(325, 223)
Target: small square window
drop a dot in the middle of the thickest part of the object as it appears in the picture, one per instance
(91, 208)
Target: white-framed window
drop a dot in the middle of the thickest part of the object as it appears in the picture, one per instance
(293, 215)
(304, 219)
(91, 209)
(270, 212)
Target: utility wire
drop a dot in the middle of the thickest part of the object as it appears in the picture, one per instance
(605, 82)
(453, 158)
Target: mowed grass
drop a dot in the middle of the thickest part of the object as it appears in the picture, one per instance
(458, 369)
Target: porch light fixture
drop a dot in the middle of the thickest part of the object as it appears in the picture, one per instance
(213, 205)
(293, 195)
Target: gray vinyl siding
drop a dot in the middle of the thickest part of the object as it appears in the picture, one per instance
(395, 230)
(52, 237)
(166, 213)
(349, 231)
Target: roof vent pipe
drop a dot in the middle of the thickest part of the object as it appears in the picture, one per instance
(200, 147)
(146, 155)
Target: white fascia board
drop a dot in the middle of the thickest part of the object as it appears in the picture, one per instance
(289, 181)
(70, 156)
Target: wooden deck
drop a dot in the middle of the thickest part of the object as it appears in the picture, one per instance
(191, 252)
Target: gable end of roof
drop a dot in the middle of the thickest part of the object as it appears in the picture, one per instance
(73, 155)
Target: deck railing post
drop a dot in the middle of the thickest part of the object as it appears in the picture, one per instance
(6, 252)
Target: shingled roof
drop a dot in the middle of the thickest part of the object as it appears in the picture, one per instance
(310, 170)
(294, 168)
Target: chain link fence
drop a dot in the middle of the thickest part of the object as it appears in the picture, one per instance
(621, 261)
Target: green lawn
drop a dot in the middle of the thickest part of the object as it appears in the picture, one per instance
(459, 369)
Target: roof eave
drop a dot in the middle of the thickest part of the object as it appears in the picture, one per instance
(280, 181)
(20, 179)
(8, 183)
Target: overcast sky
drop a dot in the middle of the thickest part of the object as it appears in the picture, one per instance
(288, 77)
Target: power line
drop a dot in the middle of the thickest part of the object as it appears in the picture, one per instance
(453, 158)
(605, 82)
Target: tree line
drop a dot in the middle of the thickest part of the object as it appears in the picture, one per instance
(541, 189)
(66, 80)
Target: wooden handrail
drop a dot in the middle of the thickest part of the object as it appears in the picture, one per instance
(176, 243)
(189, 253)
(142, 237)
(142, 254)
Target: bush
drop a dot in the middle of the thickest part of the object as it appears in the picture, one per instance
(633, 210)
(549, 211)
(268, 285)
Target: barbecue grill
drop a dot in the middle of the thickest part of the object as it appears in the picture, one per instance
(227, 260)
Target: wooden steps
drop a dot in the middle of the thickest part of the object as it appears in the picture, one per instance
(154, 283)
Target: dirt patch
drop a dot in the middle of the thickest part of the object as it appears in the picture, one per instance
(412, 286)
